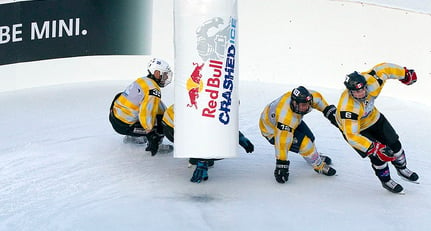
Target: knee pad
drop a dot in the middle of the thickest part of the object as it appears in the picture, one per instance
(395, 147)
(303, 145)
(376, 161)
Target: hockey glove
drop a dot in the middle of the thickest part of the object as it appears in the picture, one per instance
(281, 171)
(201, 172)
(329, 113)
(410, 77)
(383, 152)
(245, 143)
(153, 142)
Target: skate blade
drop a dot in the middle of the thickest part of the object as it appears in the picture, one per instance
(163, 149)
(406, 179)
(392, 192)
(137, 141)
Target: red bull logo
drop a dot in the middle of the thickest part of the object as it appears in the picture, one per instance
(194, 85)
(212, 88)
(218, 83)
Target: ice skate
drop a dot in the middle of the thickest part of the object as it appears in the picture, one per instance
(407, 174)
(401, 165)
(325, 169)
(326, 159)
(392, 186)
(165, 148)
(141, 140)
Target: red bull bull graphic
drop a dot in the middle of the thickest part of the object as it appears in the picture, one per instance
(194, 85)
(206, 70)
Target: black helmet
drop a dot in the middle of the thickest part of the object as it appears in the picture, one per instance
(300, 95)
(355, 81)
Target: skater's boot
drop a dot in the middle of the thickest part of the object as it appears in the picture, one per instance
(326, 159)
(325, 169)
(392, 186)
(401, 165)
(135, 139)
(407, 174)
(165, 148)
(382, 172)
(320, 163)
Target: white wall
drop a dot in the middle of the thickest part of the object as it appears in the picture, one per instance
(317, 42)
(308, 42)
(422, 6)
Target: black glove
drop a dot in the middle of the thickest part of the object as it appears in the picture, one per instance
(245, 143)
(329, 113)
(281, 171)
(201, 172)
(153, 142)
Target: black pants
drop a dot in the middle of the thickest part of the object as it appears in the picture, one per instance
(123, 128)
(298, 135)
(383, 132)
(126, 129)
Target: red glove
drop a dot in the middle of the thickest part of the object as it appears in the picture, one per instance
(382, 151)
(410, 77)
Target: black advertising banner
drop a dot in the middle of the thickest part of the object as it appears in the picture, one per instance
(48, 29)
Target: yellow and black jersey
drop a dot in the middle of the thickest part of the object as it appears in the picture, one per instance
(278, 121)
(354, 116)
(141, 101)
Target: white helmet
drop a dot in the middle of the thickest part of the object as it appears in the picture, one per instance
(162, 66)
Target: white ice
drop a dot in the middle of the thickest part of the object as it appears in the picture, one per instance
(63, 168)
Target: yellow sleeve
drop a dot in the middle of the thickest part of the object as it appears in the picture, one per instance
(282, 140)
(319, 102)
(377, 76)
(385, 71)
(286, 122)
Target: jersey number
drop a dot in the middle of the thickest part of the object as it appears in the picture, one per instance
(284, 127)
(156, 93)
(348, 115)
